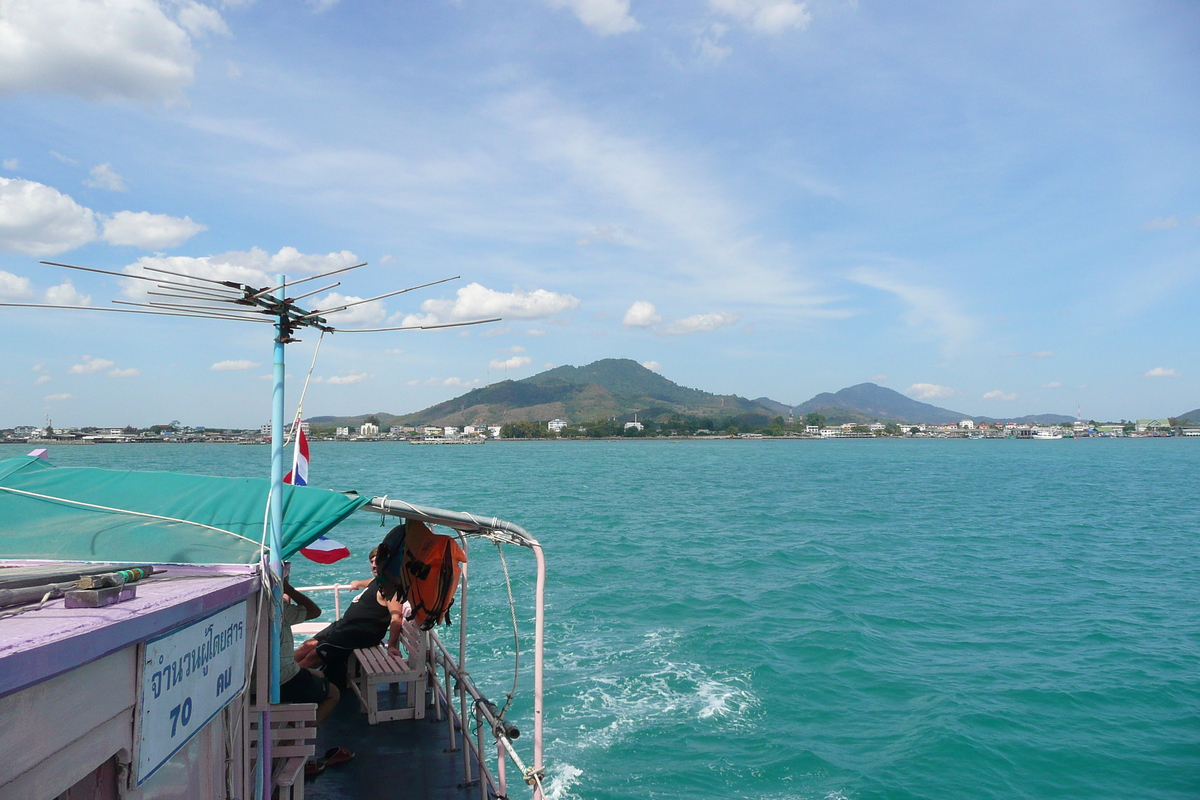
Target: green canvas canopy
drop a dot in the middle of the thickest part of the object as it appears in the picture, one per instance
(87, 514)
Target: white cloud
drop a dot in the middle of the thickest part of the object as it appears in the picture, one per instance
(640, 315)
(931, 310)
(149, 231)
(605, 17)
(131, 372)
(698, 323)
(708, 45)
(39, 367)
(103, 177)
(64, 159)
(200, 20)
(459, 382)
(534, 332)
(14, 287)
(512, 363)
(475, 301)
(603, 233)
(11, 163)
(54, 398)
(254, 267)
(929, 391)
(516, 348)
(997, 394)
(42, 379)
(1042, 354)
(365, 314)
(232, 70)
(91, 365)
(394, 352)
(345, 380)
(1053, 385)
(38, 220)
(227, 366)
(1160, 224)
(653, 366)
(765, 16)
(65, 294)
(1160, 372)
(667, 192)
(102, 49)
(879, 378)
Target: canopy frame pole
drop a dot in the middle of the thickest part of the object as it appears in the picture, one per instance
(282, 335)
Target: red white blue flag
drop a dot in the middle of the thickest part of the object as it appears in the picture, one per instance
(299, 474)
(325, 551)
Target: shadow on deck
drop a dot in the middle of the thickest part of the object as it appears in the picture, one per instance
(403, 758)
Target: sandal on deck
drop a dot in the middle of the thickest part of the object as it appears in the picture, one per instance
(314, 767)
(337, 755)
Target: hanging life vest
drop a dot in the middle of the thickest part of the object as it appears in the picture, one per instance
(424, 568)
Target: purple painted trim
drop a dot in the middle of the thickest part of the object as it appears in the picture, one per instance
(38, 662)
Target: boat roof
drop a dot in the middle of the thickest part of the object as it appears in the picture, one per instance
(50, 639)
(89, 514)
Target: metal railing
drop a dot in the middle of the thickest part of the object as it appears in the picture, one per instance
(454, 684)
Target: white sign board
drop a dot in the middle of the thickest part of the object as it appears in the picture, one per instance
(188, 676)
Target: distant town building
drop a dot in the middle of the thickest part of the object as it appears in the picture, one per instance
(431, 430)
(450, 430)
(967, 424)
(343, 432)
(556, 425)
(368, 429)
(812, 430)
(637, 426)
(494, 431)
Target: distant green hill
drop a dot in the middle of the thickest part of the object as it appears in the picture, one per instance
(620, 388)
(1192, 416)
(868, 401)
(612, 387)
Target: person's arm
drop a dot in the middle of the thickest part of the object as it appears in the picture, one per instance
(396, 607)
(311, 609)
(360, 584)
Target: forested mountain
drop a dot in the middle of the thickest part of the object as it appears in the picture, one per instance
(612, 387)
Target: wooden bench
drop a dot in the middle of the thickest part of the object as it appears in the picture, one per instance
(372, 667)
(293, 742)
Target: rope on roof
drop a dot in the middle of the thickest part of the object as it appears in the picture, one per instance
(126, 511)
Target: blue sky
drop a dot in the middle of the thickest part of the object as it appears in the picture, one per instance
(994, 208)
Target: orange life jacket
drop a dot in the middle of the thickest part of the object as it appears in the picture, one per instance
(430, 573)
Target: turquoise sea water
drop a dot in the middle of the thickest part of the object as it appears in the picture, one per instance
(821, 619)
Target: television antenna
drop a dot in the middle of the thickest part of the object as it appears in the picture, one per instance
(208, 298)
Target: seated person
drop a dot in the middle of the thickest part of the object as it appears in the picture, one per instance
(363, 624)
(297, 684)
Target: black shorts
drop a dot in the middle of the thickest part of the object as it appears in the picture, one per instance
(305, 687)
(351, 635)
(339, 640)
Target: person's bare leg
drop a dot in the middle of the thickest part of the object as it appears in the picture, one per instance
(306, 655)
(326, 706)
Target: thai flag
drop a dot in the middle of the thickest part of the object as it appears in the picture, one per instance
(299, 474)
(325, 551)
